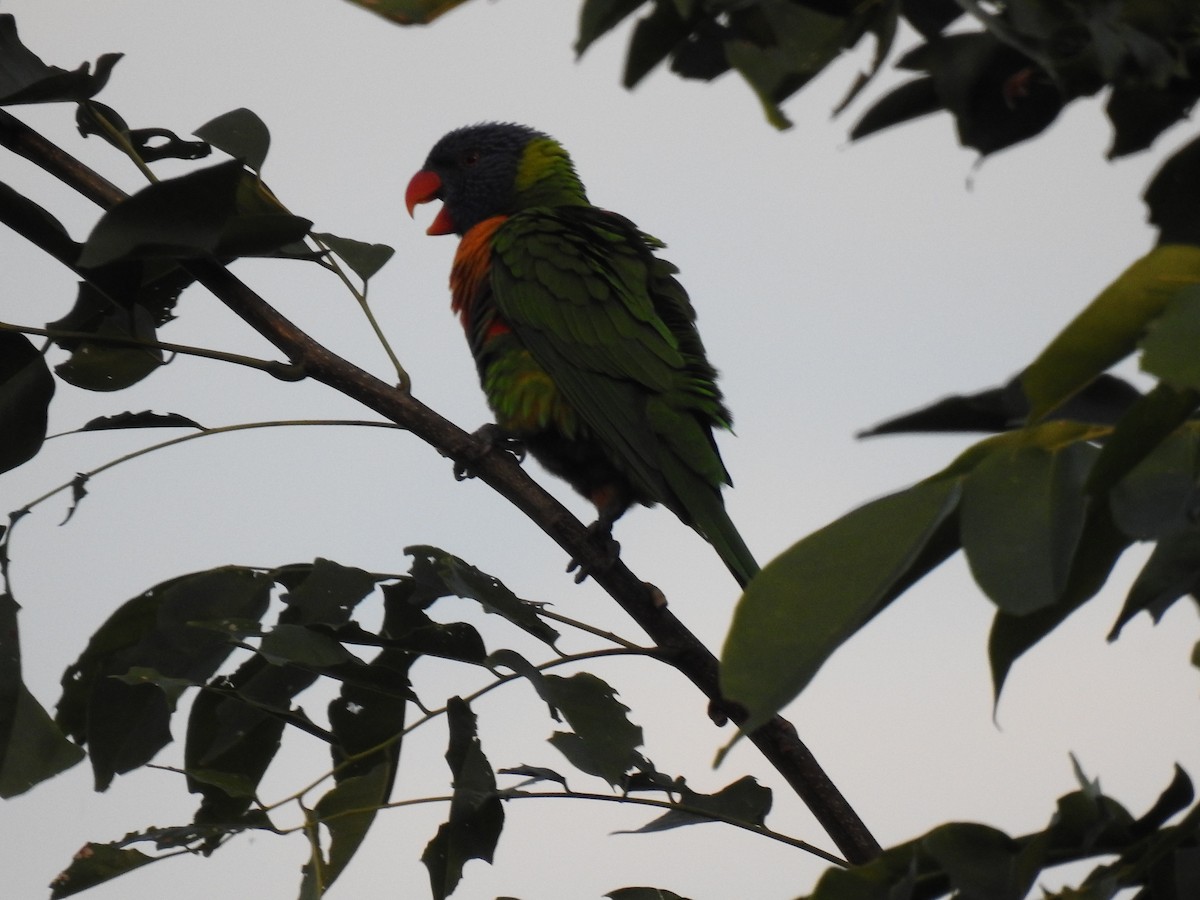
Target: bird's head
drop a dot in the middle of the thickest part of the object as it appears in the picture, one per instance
(492, 169)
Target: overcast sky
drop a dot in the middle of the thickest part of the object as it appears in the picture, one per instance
(836, 285)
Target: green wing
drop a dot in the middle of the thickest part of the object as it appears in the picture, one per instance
(615, 332)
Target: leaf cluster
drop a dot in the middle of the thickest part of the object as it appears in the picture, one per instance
(208, 633)
(1083, 466)
(1004, 71)
(969, 860)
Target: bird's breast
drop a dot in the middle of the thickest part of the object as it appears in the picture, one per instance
(472, 265)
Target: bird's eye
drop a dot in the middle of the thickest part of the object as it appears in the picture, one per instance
(470, 158)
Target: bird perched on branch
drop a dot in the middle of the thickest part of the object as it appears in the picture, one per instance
(585, 343)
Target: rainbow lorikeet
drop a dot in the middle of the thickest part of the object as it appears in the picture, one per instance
(586, 344)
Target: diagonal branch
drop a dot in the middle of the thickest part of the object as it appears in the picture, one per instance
(777, 740)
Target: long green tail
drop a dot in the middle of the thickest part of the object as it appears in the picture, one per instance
(721, 533)
(704, 506)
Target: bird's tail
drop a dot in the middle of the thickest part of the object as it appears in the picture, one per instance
(729, 545)
(708, 516)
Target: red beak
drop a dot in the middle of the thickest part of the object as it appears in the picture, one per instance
(425, 187)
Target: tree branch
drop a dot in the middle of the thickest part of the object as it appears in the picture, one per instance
(777, 740)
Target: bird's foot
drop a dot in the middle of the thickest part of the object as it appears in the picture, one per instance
(600, 532)
(488, 438)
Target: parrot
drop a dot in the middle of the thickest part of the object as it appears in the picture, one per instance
(585, 343)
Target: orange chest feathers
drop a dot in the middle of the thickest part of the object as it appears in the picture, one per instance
(471, 268)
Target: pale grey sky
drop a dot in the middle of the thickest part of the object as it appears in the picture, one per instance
(836, 285)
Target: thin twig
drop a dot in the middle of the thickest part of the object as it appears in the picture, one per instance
(281, 370)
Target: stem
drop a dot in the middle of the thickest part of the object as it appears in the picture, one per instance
(224, 429)
(404, 383)
(667, 805)
(281, 370)
(753, 828)
(432, 714)
(777, 739)
(120, 140)
(592, 630)
(502, 680)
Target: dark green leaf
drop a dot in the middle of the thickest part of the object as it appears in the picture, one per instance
(816, 595)
(802, 41)
(1171, 572)
(1108, 330)
(365, 719)
(298, 644)
(598, 17)
(1158, 495)
(263, 234)
(181, 217)
(702, 53)
(327, 595)
(911, 100)
(1173, 196)
(1145, 425)
(996, 94)
(654, 38)
(144, 419)
(363, 259)
(347, 810)
(24, 78)
(1100, 545)
(101, 365)
(464, 580)
(1021, 517)
(891, 876)
(476, 816)
(1140, 113)
(173, 688)
(11, 686)
(930, 17)
(125, 725)
(234, 732)
(643, 893)
(981, 861)
(232, 737)
(222, 210)
(367, 725)
(1086, 819)
(1162, 859)
(1177, 796)
(743, 801)
(605, 742)
(32, 748)
(241, 134)
(410, 629)
(1169, 346)
(1004, 408)
(881, 19)
(535, 774)
(78, 492)
(26, 388)
(95, 864)
(409, 12)
(152, 284)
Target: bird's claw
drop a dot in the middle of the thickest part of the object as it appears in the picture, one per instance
(600, 532)
(488, 438)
